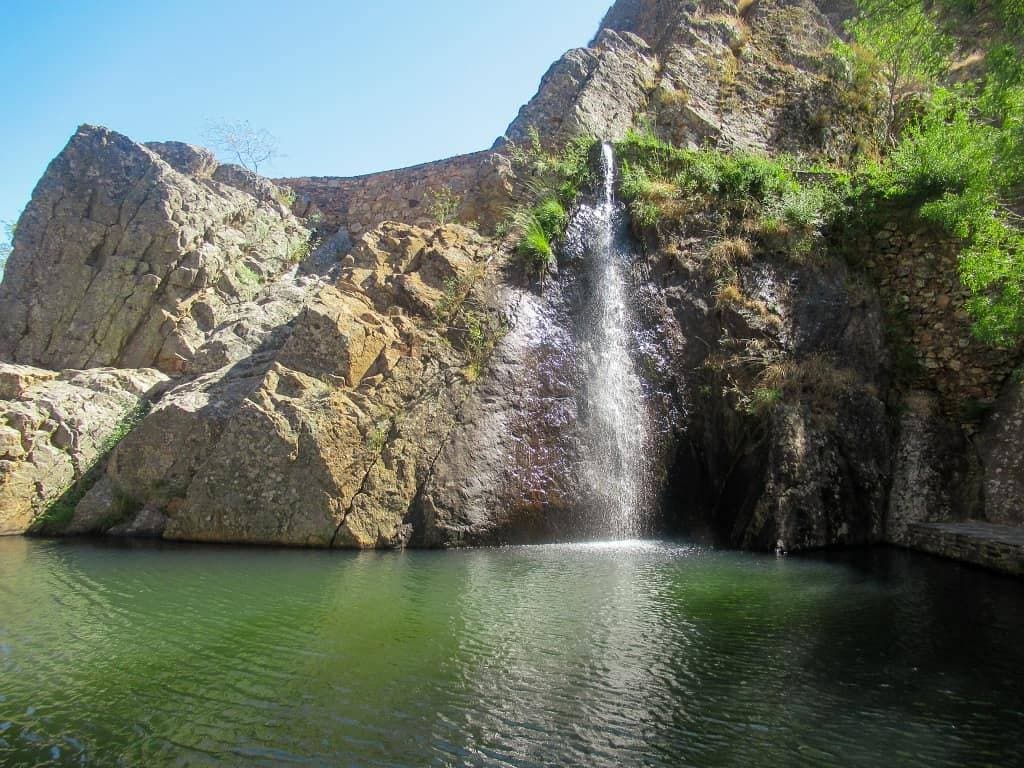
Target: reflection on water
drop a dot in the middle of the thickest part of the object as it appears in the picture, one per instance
(618, 653)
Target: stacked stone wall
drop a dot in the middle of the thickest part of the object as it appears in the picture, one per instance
(916, 269)
(481, 180)
(992, 546)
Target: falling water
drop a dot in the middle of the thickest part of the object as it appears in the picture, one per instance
(615, 419)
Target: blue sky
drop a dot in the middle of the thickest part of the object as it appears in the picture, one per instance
(346, 87)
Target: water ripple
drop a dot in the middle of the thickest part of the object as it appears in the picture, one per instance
(602, 654)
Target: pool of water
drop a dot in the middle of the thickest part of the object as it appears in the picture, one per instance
(655, 654)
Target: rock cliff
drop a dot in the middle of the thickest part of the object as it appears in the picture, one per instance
(131, 255)
(384, 381)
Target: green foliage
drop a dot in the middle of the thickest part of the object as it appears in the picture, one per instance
(377, 438)
(950, 165)
(444, 205)
(539, 229)
(534, 245)
(911, 50)
(858, 68)
(663, 184)
(478, 330)
(315, 220)
(1001, 103)
(552, 217)
(301, 251)
(760, 400)
(247, 277)
(561, 175)
(285, 196)
(553, 182)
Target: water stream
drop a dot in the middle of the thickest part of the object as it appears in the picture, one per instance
(615, 418)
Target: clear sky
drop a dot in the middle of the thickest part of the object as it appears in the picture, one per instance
(347, 87)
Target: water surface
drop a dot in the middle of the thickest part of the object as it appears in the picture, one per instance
(654, 654)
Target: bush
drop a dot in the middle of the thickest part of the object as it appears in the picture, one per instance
(444, 204)
(663, 185)
(535, 246)
(560, 175)
(552, 217)
(950, 166)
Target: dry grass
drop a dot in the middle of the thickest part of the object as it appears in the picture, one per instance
(745, 7)
(660, 191)
(815, 378)
(738, 42)
(730, 296)
(667, 96)
(729, 252)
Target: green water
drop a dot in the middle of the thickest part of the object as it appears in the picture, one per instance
(601, 655)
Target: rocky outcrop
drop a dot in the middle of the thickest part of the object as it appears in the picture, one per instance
(328, 440)
(776, 435)
(761, 78)
(595, 91)
(54, 428)
(124, 259)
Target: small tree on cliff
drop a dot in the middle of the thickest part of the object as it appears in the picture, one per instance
(238, 140)
(911, 51)
(6, 242)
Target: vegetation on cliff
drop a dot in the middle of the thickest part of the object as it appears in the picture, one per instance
(953, 152)
(553, 181)
(957, 149)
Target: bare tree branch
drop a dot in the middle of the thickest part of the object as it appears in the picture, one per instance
(249, 147)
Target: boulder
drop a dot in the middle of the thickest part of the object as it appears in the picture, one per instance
(55, 429)
(328, 439)
(127, 255)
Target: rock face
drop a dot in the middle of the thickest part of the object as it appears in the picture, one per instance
(54, 427)
(597, 90)
(123, 259)
(328, 440)
(786, 471)
(703, 73)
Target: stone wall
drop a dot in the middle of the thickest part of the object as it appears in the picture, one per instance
(992, 546)
(915, 267)
(359, 203)
(999, 446)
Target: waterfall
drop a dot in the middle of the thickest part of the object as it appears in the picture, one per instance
(614, 415)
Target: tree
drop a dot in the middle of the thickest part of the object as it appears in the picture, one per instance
(239, 141)
(912, 51)
(6, 243)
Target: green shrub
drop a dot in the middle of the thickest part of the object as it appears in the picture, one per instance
(535, 246)
(285, 196)
(949, 164)
(247, 277)
(553, 218)
(443, 205)
(663, 184)
(561, 175)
